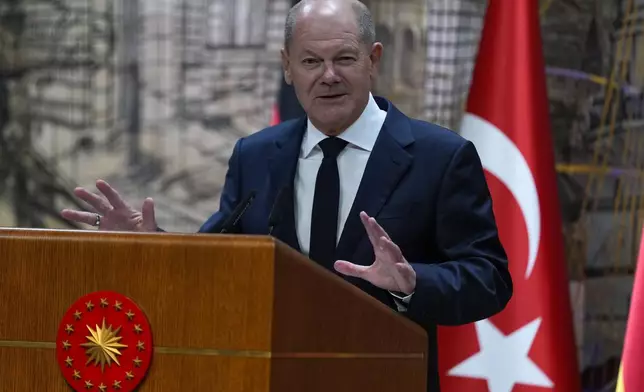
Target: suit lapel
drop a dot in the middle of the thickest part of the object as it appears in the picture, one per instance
(282, 165)
(385, 168)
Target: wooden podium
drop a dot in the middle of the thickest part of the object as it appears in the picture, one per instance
(227, 313)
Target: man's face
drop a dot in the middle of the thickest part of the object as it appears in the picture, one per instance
(330, 69)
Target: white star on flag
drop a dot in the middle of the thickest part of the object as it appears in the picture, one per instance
(503, 360)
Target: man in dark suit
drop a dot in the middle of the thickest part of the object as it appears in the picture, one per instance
(399, 207)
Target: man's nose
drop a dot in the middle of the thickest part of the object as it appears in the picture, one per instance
(330, 75)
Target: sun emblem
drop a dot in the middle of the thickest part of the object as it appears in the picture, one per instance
(104, 343)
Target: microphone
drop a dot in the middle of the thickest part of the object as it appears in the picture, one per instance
(277, 211)
(237, 213)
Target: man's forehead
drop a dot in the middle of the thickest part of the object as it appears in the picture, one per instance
(332, 21)
(325, 41)
(325, 28)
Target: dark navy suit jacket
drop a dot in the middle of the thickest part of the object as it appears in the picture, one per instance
(424, 185)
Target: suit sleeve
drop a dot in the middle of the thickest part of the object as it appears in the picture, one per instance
(230, 193)
(474, 282)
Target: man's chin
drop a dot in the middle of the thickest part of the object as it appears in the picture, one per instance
(331, 122)
(331, 111)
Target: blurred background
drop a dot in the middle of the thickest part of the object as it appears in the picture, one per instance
(151, 95)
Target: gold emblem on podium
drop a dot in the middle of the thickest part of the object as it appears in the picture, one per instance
(104, 343)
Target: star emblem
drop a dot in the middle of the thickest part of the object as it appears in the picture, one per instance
(138, 329)
(117, 384)
(77, 375)
(69, 361)
(89, 306)
(66, 345)
(503, 360)
(129, 315)
(103, 346)
(118, 306)
(78, 314)
(104, 303)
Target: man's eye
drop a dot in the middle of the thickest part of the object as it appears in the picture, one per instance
(346, 59)
(309, 61)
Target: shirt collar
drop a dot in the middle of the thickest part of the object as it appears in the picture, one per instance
(362, 133)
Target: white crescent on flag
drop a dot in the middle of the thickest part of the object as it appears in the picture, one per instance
(503, 159)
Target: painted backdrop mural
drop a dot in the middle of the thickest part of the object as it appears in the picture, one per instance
(151, 95)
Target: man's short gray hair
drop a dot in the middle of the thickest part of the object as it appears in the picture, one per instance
(366, 27)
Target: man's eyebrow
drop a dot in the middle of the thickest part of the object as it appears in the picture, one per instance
(343, 50)
(348, 49)
(310, 53)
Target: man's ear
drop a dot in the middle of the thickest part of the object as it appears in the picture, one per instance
(375, 56)
(286, 66)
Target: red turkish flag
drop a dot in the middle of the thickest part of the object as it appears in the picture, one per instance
(530, 345)
(631, 378)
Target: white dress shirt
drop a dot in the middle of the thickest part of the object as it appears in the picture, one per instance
(352, 161)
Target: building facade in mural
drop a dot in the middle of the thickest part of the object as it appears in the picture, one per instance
(151, 95)
(401, 27)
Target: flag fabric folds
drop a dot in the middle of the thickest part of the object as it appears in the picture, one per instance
(631, 377)
(530, 345)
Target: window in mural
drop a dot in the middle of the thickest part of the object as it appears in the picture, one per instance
(409, 71)
(237, 22)
(387, 62)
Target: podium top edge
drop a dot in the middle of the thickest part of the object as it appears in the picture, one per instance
(65, 234)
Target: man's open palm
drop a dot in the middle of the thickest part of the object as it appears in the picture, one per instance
(390, 270)
(116, 214)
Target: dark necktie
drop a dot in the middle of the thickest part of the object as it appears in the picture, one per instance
(326, 203)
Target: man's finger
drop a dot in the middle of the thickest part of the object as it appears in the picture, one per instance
(400, 271)
(369, 229)
(394, 254)
(94, 202)
(373, 228)
(149, 220)
(111, 194)
(377, 229)
(406, 278)
(350, 269)
(89, 218)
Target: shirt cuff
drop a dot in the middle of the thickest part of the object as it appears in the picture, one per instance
(401, 300)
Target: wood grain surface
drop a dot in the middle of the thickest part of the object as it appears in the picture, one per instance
(228, 313)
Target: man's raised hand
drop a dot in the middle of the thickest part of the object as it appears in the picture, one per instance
(390, 270)
(111, 212)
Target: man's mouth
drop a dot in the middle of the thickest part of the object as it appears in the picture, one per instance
(332, 96)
